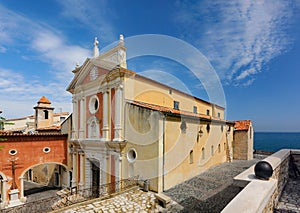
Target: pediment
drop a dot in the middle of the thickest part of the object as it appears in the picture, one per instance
(87, 73)
(92, 69)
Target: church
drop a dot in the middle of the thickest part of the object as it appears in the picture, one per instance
(127, 125)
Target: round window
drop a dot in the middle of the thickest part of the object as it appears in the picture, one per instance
(94, 104)
(131, 155)
(46, 149)
(12, 151)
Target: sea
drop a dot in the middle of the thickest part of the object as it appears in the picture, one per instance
(274, 141)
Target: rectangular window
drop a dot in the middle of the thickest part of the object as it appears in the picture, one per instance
(219, 115)
(207, 112)
(191, 157)
(195, 109)
(46, 114)
(176, 105)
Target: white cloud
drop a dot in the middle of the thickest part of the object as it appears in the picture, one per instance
(44, 44)
(94, 15)
(246, 73)
(57, 52)
(2, 49)
(240, 37)
(18, 96)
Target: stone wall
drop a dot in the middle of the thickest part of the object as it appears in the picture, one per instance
(281, 174)
(242, 145)
(261, 195)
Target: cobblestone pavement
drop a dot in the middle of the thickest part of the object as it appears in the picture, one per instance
(207, 192)
(210, 191)
(131, 201)
(290, 198)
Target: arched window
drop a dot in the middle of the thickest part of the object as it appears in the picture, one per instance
(212, 150)
(219, 148)
(191, 157)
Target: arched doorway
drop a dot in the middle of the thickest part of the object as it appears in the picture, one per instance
(44, 180)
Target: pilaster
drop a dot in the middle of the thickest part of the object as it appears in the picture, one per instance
(105, 130)
(74, 174)
(118, 113)
(82, 170)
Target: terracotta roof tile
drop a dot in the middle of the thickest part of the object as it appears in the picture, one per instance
(50, 128)
(242, 125)
(44, 100)
(9, 134)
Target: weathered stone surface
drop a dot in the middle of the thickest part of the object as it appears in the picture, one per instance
(290, 197)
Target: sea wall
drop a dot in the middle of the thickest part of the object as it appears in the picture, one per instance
(261, 195)
(280, 173)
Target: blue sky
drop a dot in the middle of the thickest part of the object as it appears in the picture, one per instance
(254, 47)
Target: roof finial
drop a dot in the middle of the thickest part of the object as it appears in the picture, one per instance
(96, 49)
(121, 39)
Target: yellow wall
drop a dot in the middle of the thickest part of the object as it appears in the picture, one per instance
(142, 134)
(178, 146)
(144, 90)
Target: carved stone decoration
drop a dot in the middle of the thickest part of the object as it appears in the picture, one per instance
(93, 73)
(93, 128)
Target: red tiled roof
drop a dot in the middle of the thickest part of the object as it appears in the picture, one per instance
(61, 113)
(10, 134)
(50, 128)
(173, 111)
(242, 125)
(44, 100)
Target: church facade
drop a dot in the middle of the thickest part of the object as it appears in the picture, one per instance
(125, 125)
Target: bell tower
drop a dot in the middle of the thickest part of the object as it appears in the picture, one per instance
(43, 113)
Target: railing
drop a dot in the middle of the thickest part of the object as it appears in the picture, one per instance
(74, 196)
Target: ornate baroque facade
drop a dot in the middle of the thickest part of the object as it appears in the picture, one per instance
(124, 124)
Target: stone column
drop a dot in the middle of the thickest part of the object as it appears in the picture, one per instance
(81, 182)
(22, 198)
(105, 130)
(4, 191)
(74, 174)
(118, 113)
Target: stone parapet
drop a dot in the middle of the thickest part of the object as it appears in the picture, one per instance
(261, 195)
